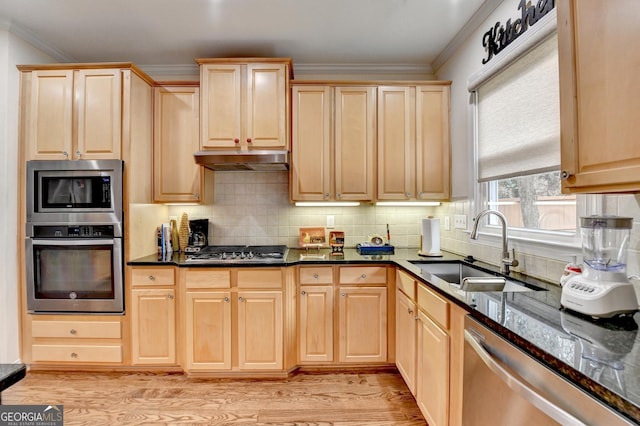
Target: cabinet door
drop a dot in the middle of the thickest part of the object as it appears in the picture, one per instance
(362, 324)
(99, 113)
(316, 324)
(176, 136)
(433, 372)
(396, 146)
(354, 140)
(599, 95)
(49, 125)
(432, 143)
(153, 326)
(208, 336)
(266, 106)
(221, 105)
(260, 330)
(311, 141)
(406, 336)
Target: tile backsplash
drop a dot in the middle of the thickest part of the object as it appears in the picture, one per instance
(254, 208)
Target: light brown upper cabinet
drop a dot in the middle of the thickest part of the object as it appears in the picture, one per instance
(599, 95)
(333, 142)
(72, 113)
(413, 142)
(244, 103)
(176, 177)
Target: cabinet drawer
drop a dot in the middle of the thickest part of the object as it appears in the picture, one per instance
(316, 275)
(208, 278)
(363, 275)
(434, 306)
(407, 284)
(260, 278)
(77, 329)
(77, 353)
(153, 276)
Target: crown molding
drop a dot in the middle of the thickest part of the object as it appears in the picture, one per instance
(310, 68)
(33, 39)
(472, 25)
(168, 71)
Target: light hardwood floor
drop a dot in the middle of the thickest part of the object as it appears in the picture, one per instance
(345, 398)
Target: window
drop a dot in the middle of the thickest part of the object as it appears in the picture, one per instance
(517, 135)
(533, 202)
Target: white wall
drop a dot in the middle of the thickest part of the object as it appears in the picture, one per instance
(13, 51)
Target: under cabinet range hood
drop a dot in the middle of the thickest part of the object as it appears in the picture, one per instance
(253, 160)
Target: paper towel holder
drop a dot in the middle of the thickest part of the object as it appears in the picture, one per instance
(430, 238)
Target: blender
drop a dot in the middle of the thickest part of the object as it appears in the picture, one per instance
(602, 290)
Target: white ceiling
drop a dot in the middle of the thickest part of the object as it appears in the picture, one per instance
(154, 33)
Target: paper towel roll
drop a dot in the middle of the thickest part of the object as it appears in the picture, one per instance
(430, 245)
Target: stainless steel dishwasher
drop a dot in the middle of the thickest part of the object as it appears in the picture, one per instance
(505, 386)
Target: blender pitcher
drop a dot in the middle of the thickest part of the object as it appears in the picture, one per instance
(604, 244)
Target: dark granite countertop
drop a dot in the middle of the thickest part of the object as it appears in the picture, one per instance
(601, 357)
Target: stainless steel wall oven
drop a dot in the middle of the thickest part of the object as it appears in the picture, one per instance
(73, 250)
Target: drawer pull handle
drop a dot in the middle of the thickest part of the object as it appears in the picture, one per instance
(73, 331)
(363, 276)
(74, 355)
(316, 276)
(304, 293)
(152, 278)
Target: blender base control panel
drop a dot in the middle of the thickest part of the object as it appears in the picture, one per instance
(583, 288)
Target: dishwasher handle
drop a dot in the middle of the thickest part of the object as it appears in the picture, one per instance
(520, 387)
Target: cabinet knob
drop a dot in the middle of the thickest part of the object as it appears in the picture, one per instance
(343, 294)
(304, 293)
(73, 331)
(564, 175)
(66, 154)
(170, 296)
(326, 195)
(410, 310)
(236, 141)
(74, 355)
(78, 155)
(408, 194)
(363, 276)
(152, 278)
(338, 195)
(316, 276)
(241, 299)
(226, 299)
(248, 140)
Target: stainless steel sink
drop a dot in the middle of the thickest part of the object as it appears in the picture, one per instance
(469, 278)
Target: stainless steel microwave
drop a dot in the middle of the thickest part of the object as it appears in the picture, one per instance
(78, 192)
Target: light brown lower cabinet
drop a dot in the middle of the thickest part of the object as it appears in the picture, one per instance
(315, 324)
(234, 319)
(362, 324)
(153, 316)
(429, 349)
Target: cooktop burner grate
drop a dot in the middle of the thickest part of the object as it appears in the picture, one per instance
(259, 254)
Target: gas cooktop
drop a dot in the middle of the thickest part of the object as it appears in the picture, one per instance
(239, 254)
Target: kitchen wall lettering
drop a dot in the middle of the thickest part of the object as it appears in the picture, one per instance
(500, 36)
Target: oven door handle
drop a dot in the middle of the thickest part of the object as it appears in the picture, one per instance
(71, 242)
(519, 386)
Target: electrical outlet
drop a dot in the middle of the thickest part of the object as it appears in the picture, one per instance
(447, 223)
(331, 221)
(460, 221)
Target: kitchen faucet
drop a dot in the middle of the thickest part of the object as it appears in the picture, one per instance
(506, 261)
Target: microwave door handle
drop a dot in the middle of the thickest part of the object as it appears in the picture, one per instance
(521, 387)
(71, 242)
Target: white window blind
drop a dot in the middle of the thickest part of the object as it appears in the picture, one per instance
(519, 116)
